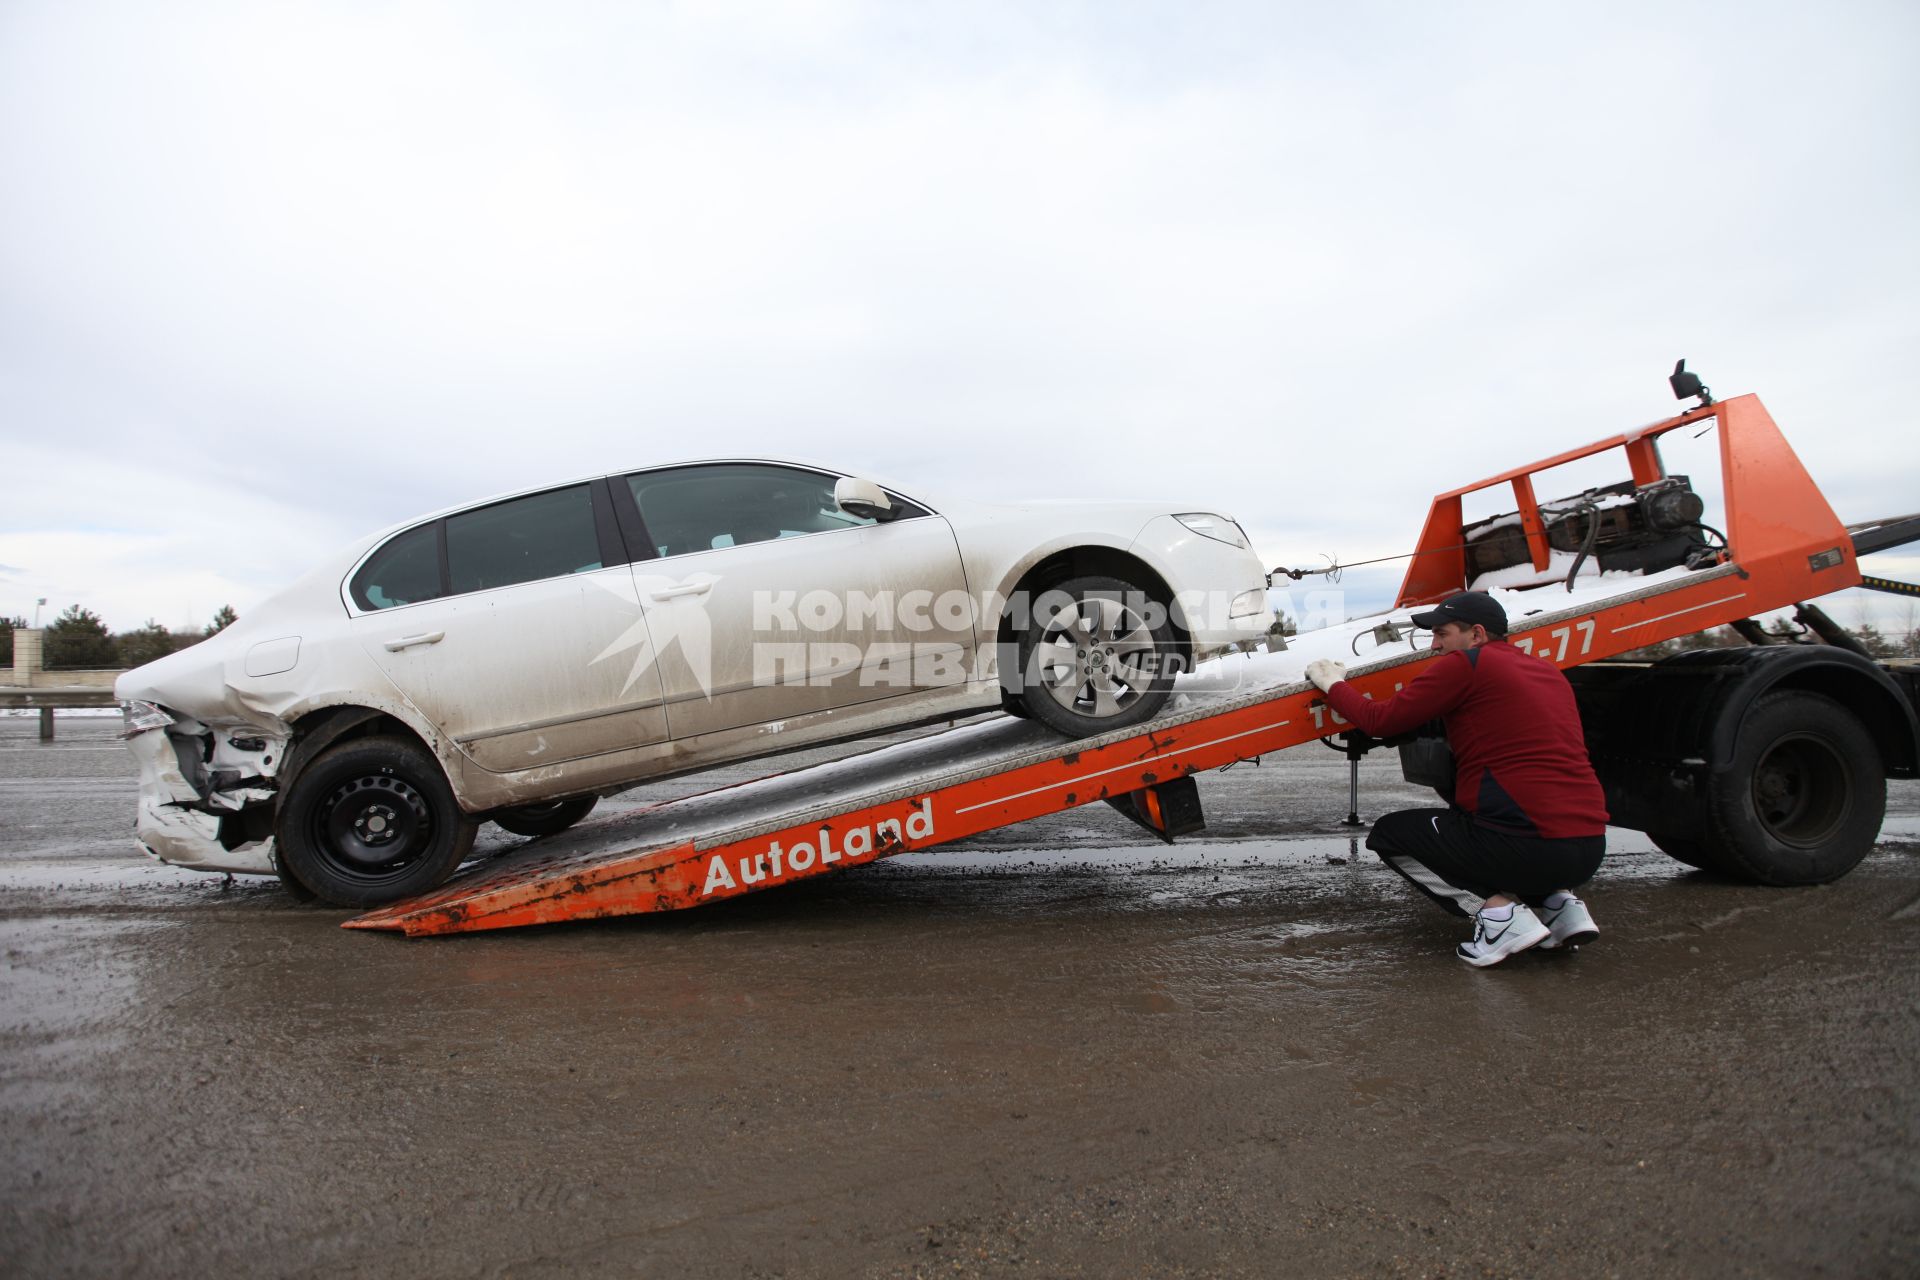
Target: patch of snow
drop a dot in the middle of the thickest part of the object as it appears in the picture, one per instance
(1559, 565)
(1476, 532)
(63, 713)
(1603, 502)
(1549, 511)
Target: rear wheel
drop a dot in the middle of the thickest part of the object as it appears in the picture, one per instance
(1804, 797)
(371, 821)
(1098, 653)
(544, 819)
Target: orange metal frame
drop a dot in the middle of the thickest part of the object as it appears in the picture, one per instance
(1786, 545)
(1774, 509)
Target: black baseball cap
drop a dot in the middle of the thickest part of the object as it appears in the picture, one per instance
(1468, 607)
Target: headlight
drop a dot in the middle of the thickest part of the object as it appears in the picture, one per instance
(138, 717)
(1219, 528)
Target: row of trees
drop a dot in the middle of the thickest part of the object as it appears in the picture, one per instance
(78, 639)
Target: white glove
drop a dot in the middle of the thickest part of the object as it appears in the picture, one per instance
(1326, 673)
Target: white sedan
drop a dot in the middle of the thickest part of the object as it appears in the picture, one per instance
(514, 659)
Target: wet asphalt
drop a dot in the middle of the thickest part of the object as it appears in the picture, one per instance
(1056, 1051)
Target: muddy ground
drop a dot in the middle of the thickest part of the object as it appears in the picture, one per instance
(1059, 1052)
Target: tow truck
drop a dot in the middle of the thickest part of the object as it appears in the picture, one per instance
(1766, 762)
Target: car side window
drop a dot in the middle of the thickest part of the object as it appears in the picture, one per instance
(404, 571)
(544, 535)
(732, 504)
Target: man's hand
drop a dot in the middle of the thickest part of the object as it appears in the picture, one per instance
(1326, 673)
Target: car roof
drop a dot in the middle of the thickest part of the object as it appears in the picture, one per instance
(568, 481)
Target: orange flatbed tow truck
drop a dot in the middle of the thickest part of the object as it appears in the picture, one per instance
(1767, 762)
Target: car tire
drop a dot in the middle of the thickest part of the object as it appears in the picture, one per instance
(543, 819)
(1097, 653)
(1803, 797)
(295, 890)
(371, 821)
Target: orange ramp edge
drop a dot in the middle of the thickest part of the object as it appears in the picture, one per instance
(589, 885)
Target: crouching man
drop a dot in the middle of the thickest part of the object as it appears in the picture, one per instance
(1528, 820)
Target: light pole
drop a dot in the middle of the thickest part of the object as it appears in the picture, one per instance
(36, 612)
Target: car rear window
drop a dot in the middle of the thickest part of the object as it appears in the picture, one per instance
(546, 535)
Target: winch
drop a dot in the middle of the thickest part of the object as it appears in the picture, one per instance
(1644, 528)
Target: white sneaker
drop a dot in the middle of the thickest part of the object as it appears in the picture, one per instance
(1570, 923)
(1495, 940)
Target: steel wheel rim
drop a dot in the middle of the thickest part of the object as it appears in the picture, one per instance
(1802, 791)
(1094, 657)
(373, 827)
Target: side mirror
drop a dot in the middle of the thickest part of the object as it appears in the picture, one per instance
(863, 499)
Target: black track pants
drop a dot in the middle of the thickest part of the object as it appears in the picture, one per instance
(1458, 863)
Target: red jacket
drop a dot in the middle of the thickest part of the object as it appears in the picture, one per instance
(1521, 762)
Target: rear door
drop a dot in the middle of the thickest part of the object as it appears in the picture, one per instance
(769, 602)
(516, 630)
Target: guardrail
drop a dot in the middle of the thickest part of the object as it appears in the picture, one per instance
(47, 699)
(32, 686)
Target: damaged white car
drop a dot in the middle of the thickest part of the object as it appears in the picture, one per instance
(515, 659)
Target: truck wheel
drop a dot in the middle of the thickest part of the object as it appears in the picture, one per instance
(544, 819)
(1803, 800)
(1098, 654)
(371, 821)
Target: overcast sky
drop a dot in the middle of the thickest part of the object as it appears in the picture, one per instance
(273, 276)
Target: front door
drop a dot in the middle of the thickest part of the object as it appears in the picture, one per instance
(768, 602)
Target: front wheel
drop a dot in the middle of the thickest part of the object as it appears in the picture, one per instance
(1097, 654)
(371, 821)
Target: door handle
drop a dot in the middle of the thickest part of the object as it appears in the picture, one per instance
(690, 589)
(407, 642)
